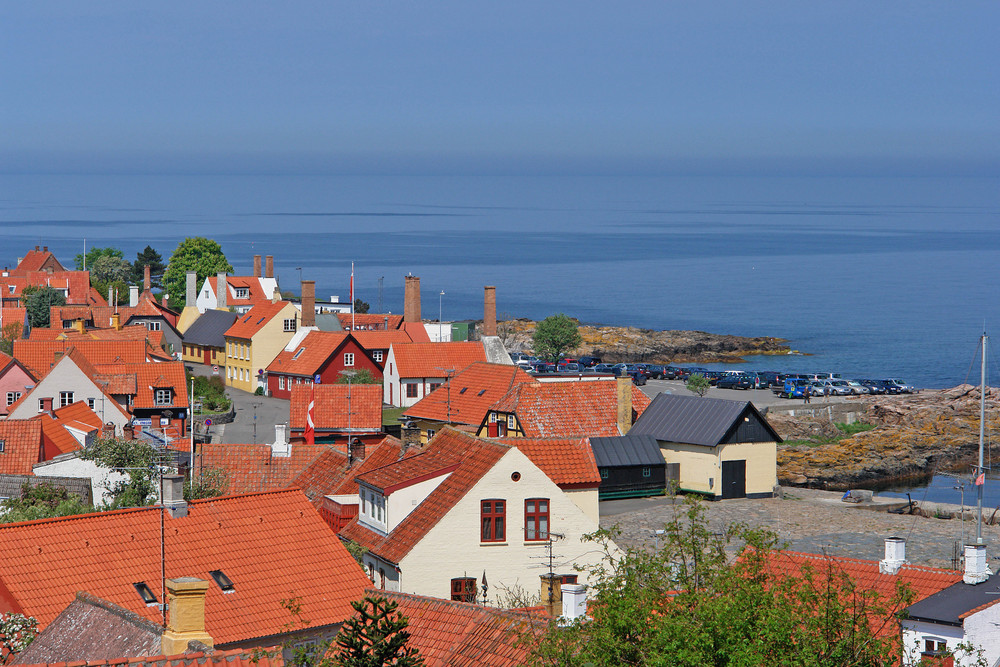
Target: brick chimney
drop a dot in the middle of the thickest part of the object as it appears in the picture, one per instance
(128, 431)
(269, 266)
(355, 451)
(308, 303)
(191, 285)
(147, 281)
(256, 266)
(173, 496)
(108, 430)
(490, 311)
(623, 386)
(410, 435)
(186, 622)
(552, 594)
(47, 406)
(411, 300)
(221, 291)
(116, 321)
(78, 325)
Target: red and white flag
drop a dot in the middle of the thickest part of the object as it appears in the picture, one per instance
(310, 431)
(981, 479)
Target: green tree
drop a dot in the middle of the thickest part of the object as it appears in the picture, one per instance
(361, 306)
(210, 483)
(138, 464)
(362, 376)
(42, 502)
(94, 254)
(156, 267)
(689, 604)
(698, 384)
(198, 254)
(375, 636)
(39, 301)
(554, 335)
(17, 631)
(108, 269)
(11, 331)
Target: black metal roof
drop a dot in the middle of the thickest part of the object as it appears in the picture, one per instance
(626, 450)
(210, 328)
(947, 606)
(697, 420)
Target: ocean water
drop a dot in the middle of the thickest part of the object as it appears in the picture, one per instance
(871, 276)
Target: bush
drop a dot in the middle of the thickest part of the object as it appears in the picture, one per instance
(259, 391)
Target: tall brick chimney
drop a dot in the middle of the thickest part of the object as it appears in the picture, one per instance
(308, 303)
(624, 395)
(221, 290)
(186, 623)
(269, 266)
(256, 266)
(490, 311)
(551, 594)
(147, 282)
(191, 283)
(411, 300)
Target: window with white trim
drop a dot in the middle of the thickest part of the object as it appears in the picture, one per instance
(163, 397)
(65, 398)
(281, 382)
(242, 293)
(91, 402)
(288, 325)
(12, 397)
(348, 358)
(152, 325)
(377, 355)
(41, 406)
(511, 422)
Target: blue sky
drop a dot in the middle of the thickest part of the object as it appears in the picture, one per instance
(394, 85)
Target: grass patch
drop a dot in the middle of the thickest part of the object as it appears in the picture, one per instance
(846, 431)
(391, 415)
(856, 427)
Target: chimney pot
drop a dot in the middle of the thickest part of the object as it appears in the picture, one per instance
(269, 266)
(490, 311)
(173, 496)
(895, 555)
(256, 266)
(410, 435)
(976, 571)
(355, 451)
(221, 291)
(186, 622)
(308, 303)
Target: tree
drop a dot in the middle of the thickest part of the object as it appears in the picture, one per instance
(375, 636)
(42, 502)
(108, 268)
(139, 466)
(362, 376)
(39, 301)
(11, 331)
(151, 258)
(688, 604)
(698, 384)
(210, 483)
(16, 632)
(554, 335)
(93, 255)
(198, 254)
(361, 306)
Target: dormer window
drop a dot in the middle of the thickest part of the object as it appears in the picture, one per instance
(3, 445)
(242, 293)
(163, 397)
(145, 593)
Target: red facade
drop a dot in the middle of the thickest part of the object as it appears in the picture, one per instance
(279, 384)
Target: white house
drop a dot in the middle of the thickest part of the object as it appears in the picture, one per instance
(241, 293)
(73, 465)
(413, 370)
(437, 522)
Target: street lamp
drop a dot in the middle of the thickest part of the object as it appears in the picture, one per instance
(440, 324)
(299, 269)
(349, 375)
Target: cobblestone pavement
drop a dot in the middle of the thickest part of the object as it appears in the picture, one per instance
(814, 522)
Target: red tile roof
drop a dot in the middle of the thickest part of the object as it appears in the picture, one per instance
(369, 321)
(332, 407)
(425, 360)
(255, 291)
(253, 468)
(322, 475)
(76, 282)
(233, 658)
(449, 634)
(309, 355)
(380, 340)
(329, 475)
(255, 319)
(36, 259)
(22, 446)
(55, 436)
(569, 409)
(467, 397)
(12, 314)
(475, 458)
(142, 380)
(273, 546)
(41, 355)
(569, 462)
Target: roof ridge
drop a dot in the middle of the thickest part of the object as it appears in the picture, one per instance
(908, 566)
(75, 517)
(234, 496)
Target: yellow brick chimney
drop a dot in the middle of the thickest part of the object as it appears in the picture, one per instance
(186, 619)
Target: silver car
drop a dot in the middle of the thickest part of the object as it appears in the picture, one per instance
(857, 388)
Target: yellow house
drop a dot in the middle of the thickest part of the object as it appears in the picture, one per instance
(204, 341)
(255, 339)
(725, 449)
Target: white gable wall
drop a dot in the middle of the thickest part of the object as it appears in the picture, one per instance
(915, 632)
(401, 502)
(71, 465)
(67, 376)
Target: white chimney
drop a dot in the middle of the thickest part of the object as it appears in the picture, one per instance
(133, 295)
(281, 446)
(976, 571)
(574, 601)
(191, 287)
(173, 496)
(895, 555)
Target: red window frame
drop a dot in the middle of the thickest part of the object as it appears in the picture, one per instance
(463, 589)
(411, 390)
(493, 523)
(536, 519)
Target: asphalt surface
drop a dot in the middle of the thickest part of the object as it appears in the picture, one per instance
(760, 398)
(255, 415)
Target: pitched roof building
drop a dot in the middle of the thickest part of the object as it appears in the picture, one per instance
(20, 446)
(414, 370)
(340, 411)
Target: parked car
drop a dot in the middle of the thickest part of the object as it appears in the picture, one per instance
(638, 378)
(589, 361)
(874, 387)
(712, 376)
(655, 371)
(672, 373)
(903, 387)
(796, 388)
(838, 387)
(735, 381)
(603, 368)
(857, 388)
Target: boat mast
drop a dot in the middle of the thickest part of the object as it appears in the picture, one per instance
(982, 420)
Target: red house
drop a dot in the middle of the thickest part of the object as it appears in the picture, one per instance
(319, 353)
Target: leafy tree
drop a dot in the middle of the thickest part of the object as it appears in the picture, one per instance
(698, 384)
(198, 254)
(554, 335)
(42, 502)
(375, 636)
(94, 254)
(361, 306)
(38, 301)
(16, 632)
(688, 604)
(156, 267)
(108, 268)
(363, 376)
(139, 463)
(11, 331)
(210, 483)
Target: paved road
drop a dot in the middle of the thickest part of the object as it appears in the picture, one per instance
(761, 398)
(255, 415)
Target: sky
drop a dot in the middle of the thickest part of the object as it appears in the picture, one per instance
(397, 85)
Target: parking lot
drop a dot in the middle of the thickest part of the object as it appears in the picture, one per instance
(761, 398)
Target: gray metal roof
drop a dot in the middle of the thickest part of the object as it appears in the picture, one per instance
(210, 328)
(328, 322)
(948, 605)
(626, 450)
(11, 485)
(695, 420)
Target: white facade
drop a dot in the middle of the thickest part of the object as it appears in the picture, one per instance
(66, 378)
(404, 392)
(71, 465)
(453, 547)
(208, 300)
(978, 631)
(438, 332)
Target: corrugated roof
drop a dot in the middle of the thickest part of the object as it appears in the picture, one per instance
(209, 330)
(626, 450)
(693, 420)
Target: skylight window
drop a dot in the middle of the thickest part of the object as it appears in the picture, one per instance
(145, 593)
(261, 320)
(224, 582)
(297, 354)
(481, 392)
(247, 319)
(462, 390)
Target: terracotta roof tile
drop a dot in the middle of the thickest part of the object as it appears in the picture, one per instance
(12, 314)
(329, 475)
(254, 290)
(322, 475)
(309, 355)
(55, 436)
(232, 658)
(380, 340)
(475, 458)
(35, 259)
(271, 545)
(569, 462)
(77, 283)
(369, 321)
(332, 407)
(22, 446)
(425, 360)
(145, 378)
(255, 319)
(433, 462)
(467, 397)
(568, 409)
(253, 468)
(41, 355)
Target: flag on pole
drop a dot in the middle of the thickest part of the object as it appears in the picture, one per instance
(981, 479)
(310, 431)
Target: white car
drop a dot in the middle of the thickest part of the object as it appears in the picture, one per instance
(839, 387)
(857, 388)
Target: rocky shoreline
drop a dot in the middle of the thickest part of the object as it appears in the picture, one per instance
(913, 436)
(631, 344)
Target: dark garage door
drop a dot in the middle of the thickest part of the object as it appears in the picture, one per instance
(734, 479)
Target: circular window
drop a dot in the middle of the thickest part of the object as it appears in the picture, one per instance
(516, 476)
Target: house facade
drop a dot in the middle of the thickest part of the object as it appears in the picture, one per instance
(414, 370)
(204, 339)
(321, 355)
(15, 381)
(255, 339)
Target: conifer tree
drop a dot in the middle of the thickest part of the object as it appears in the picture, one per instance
(376, 636)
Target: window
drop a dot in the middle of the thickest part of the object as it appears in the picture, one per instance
(3, 444)
(463, 589)
(152, 325)
(242, 293)
(493, 513)
(935, 646)
(430, 433)
(645, 472)
(377, 355)
(145, 593)
(493, 417)
(12, 397)
(298, 353)
(348, 358)
(411, 390)
(511, 422)
(536, 519)
(434, 385)
(569, 578)
(289, 325)
(41, 406)
(281, 382)
(65, 398)
(224, 582)
(91, 402)
(163, 397)
(604, 473)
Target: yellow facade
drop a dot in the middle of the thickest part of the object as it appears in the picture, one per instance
(701, 467)
(246, 359)
(196, 354)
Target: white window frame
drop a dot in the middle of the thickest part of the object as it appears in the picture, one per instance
(288, 326)
(12, 397)
(281, 382)
(152, 325)
(377, 355)
(348, 358)
(160, 393)
(511, 422)
(65, 398)
(91, 403)
(242, 292)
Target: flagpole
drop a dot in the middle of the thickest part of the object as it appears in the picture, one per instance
(352, 296)
(981, 479)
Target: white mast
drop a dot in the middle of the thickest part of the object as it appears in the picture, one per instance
(982, 420)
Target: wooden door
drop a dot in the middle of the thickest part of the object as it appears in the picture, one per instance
(734, 479)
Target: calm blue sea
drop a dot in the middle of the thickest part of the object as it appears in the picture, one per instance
(872, 276)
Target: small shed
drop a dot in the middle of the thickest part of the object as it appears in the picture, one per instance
(631, 466)
(725, 449)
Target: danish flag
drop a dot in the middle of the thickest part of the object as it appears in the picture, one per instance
(310, 431)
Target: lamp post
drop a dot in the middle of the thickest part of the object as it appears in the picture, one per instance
(299, 269)
(440, 324)
(349, 375)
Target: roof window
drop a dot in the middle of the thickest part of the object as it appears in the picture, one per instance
(481, 392)
(224, 582)
(261, 320)
(462, 391)
(246, 319)
(145, 593)
(298, 353)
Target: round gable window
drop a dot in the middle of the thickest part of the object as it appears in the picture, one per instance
(516, 476)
